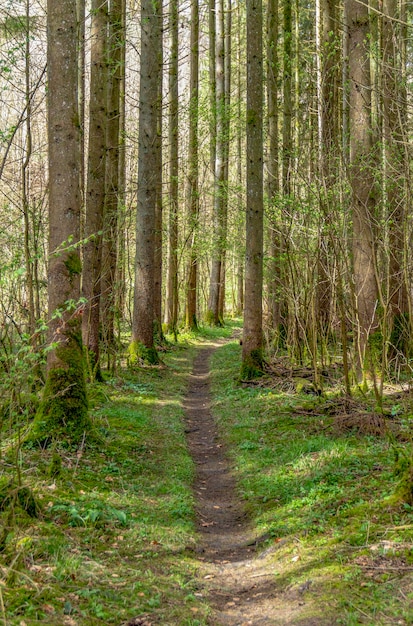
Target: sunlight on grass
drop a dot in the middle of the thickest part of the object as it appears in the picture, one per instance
(319, 498)
(116, 538)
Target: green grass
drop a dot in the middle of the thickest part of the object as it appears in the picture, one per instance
(116, 536)
(321, 498)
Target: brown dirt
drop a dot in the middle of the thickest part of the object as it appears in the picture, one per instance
(239, 583)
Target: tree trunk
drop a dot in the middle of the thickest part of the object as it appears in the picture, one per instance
(26, 185)
(171, 308)
(273, 186)
(149, 175)
(227, 130)
(252, 359)
(192, 199)
(362, 166)
(95, 191)
(157, 294)
(327, 84)
(395, 168)
(113, 196)
(287, 147)
(219, 173)
(63, 411)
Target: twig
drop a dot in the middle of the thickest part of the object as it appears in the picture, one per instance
(79, 453)
(388, 568)
(3, 610)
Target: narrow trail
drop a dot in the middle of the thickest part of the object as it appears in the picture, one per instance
(239, 584)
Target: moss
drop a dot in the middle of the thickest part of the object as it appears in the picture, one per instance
(94, 371)
(73, 264)
(55, 467)
(212, 321)
(138, 352)
(63, 411)
(12, 496)
(192, 323)
(252, 365)
(403, 469)
(210, 318)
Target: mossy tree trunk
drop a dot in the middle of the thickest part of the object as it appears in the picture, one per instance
(252, 358)
(63, 412)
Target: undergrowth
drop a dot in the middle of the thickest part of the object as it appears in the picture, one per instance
(113, 538)
(322, 499)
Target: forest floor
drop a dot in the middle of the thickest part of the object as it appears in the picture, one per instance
(210, 501)
(240, 583)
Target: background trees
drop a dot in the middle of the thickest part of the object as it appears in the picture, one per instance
(337, 105)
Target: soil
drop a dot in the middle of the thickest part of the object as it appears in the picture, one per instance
(237, 578)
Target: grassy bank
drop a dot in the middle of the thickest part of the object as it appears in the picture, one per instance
(110, 537)
(320, 499)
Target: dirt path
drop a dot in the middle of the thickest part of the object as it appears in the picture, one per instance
(240, 584)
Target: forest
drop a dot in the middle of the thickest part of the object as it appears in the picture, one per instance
(223, 178)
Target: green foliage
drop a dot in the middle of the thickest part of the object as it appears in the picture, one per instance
(117, 520)
(403, 469)
(320, 498)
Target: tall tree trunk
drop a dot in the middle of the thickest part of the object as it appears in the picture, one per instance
(395, 167)
(273, 174)
(192, 199)
(252, 358)
(113, 195)
(362, 166)
(63, 411)
(328, 150)
(26, 184)
(157, 294)
(287, 147)
(149, 175)
(219, 173)
(95, 191)
(81, 37)
(227, 130)
(171, 308)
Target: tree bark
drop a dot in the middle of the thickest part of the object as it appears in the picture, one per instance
(219, 172)
(273, 174)
(395, 168)
(192, 199)
(252, 359)
(95, 191)
(113, 195)
(149, 175)
(63, 411)
(171, 308)
(363, 162)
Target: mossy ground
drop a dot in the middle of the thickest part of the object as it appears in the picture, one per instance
(115, 538)
(322, 501)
